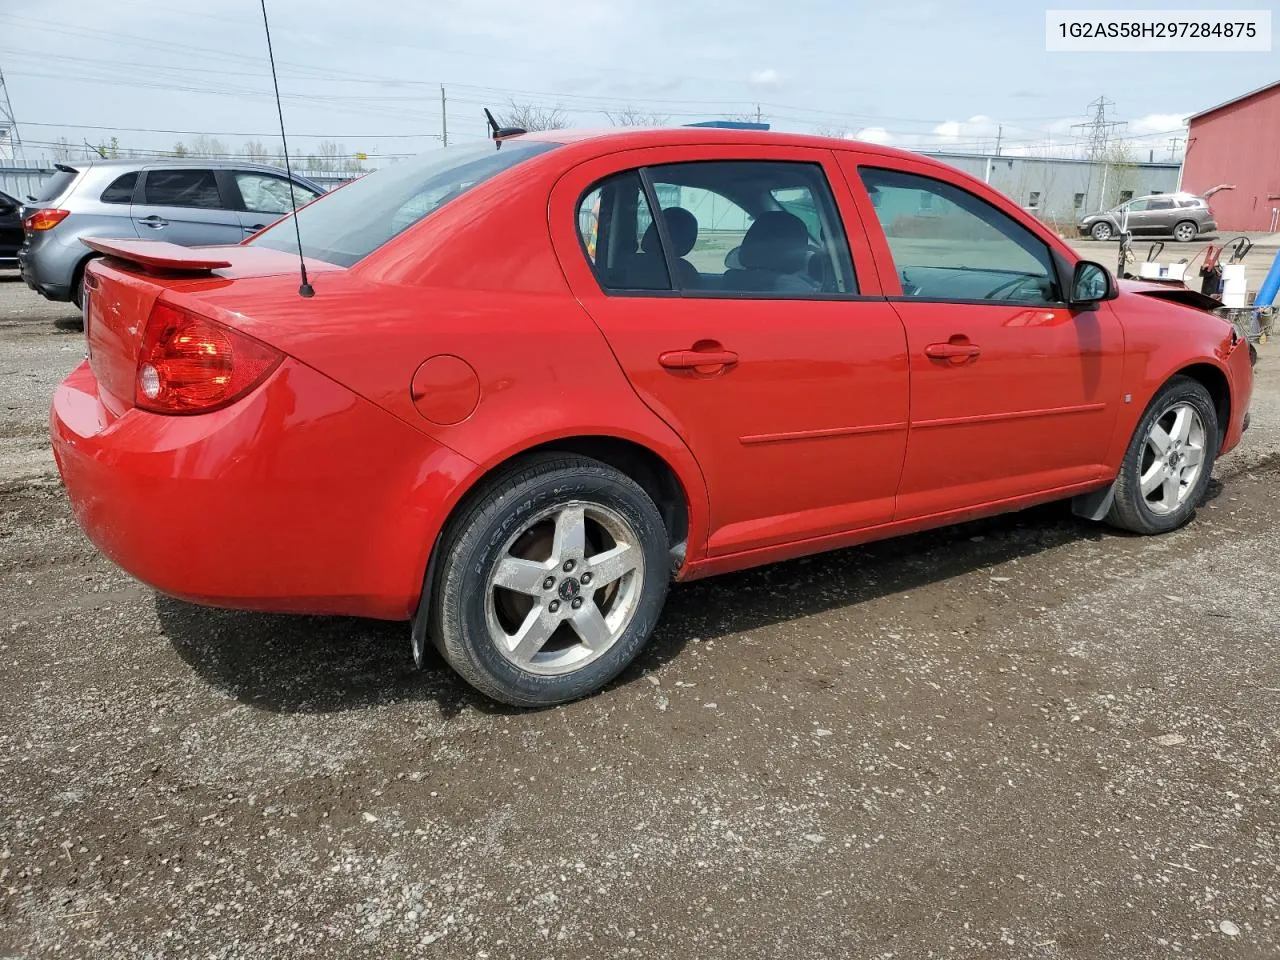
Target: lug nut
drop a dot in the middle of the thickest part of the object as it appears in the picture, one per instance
(585, 578)
(553, 606)
(568, 566)
(577, 602)
(548, 583)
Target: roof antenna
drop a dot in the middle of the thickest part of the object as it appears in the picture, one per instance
(497, 133)
(305, 290)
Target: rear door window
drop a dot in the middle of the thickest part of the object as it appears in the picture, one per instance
(619, 238)
(264, 193)
(182, 188)
(753, 227)
(121, 189)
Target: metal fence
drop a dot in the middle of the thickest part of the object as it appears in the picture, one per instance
(20, 182)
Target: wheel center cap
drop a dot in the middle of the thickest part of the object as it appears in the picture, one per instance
(569, 588)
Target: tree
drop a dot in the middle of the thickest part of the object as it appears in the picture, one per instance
(180, 149)
(840, 133)
(256, 151)
(62, 149)
(532, 116)
(1119, 171)
(205, 146)
(630, 116)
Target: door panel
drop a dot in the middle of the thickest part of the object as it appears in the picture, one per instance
(799, 424)
(184, 206)
(1008, 397)
(1031, 410)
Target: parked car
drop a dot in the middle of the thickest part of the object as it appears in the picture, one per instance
(192, 203)
(1184, 216)
(10, 230)
(519, 401)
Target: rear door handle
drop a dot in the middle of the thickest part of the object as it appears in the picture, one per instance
(154, 221)
(695, 359)
(958, 350)
(255, 228)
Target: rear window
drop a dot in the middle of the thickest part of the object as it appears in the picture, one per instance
(56, 185)
(348, 224)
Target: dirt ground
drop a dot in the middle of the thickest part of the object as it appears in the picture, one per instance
(1027, 737)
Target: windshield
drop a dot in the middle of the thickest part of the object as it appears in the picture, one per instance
(348, 224)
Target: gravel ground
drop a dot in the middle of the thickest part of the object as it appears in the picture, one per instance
(1024, 737)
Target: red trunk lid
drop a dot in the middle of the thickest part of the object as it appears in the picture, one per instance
(122, 288)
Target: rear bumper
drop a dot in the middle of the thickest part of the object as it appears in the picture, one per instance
(300, 498)
(48, 265)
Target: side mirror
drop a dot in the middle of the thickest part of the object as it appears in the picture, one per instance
(1090, 285)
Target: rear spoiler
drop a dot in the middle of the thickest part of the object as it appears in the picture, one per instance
(159, 255)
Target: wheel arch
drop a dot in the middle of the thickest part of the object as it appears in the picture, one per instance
(77, 273)
(1213, 379)
(678, 491)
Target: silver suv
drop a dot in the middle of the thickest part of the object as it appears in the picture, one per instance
(188, 202)
(1182, 215)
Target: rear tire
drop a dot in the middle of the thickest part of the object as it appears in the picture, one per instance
(1168, 464)
(551, 581)
(77, 283)
(1185, 231)
(1101, 230)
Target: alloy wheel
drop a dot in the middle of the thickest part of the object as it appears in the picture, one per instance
(1172, 458)
(564, 588)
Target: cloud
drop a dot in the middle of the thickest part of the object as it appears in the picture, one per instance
(1156, 123)
(873, 135)
(768, 77)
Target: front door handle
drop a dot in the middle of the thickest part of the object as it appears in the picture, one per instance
(957, 350)
(154, 222)
(702, 361)
(255, 228)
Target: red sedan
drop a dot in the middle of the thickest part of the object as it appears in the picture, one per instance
(541, 378)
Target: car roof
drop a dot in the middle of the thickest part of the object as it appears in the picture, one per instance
(623, 138)
(138, 163)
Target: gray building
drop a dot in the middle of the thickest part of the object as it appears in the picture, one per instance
(1059, 190)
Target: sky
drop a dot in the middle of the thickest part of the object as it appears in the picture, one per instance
(367, 73)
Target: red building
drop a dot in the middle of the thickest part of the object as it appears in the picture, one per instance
(1238, 143)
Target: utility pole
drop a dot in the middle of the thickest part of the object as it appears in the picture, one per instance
(1173, 146)
(759, 118)
(999, 137)
(7, 122)
(444, 119)
(1097, 134)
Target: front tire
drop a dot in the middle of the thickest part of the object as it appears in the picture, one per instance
(1101, 230)
(551, 581)
(1169, 461)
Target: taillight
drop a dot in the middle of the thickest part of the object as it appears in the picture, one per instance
(44, 219)
(191, 364)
